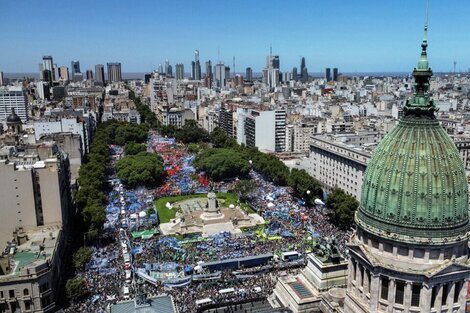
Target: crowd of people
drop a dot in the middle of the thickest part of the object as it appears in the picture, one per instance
(119, 254)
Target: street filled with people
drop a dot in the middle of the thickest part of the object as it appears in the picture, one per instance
(131, 247)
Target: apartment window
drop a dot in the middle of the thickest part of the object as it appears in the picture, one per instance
(384, 288)
(399, 292)
(27, 306)
(26, 292)
(415, 294)
(11, 293)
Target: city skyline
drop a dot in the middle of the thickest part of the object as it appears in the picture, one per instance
(354, 37)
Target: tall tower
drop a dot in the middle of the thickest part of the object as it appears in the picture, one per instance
(196, 67)
(99, 73)
(48, 64)
(114, 72)
(75, 67)
(303, 71)
(410, 250)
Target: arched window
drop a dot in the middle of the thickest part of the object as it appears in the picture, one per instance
(26, 292)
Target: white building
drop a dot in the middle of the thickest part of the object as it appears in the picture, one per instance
(265, 130)
(13, 98)
(63, 125)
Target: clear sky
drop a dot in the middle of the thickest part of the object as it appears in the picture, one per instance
(355, 36)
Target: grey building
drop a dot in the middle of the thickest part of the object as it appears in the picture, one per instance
(99, 73)
(114, 72)
(75, 67)
(13, 98)
(249, 74)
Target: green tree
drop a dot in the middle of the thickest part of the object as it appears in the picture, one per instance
(220, 164)
(244, 187)
(220, 139)
(133, 148)
(342, 208)
(301, 182)
(193, 148)
(94, 215)
(81, 258)
(143, 168)
(191, 132)
(76, 288)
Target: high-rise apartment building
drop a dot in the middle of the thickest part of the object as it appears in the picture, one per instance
(114, 72)
(335, 74)
(249, 74)
(99, 73)
(271, 72)
(328, 74)
(179, 71)
(196, 67)
(265, 130)
(220, 75)
(13, 98)
(75, 67)
(64, 73)
(48, 64)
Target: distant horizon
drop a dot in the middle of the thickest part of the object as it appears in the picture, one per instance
(140, 75)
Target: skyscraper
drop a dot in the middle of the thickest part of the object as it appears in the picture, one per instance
(328, 74)
(227, 73)
(99, 73)
(179, 71)
(196, 67)
(249, 74)
(13, 98)
(410, 251)
(2, 79)
(303, 71)
(75, 67)
(114, 72)
(295, 75)
(335, 74)
(89, 74)
(48, 64)
(271, 71)
(160, 69)
(170, 71)
(167, 65)
(209, 76)
(220, 75)
(64, 73)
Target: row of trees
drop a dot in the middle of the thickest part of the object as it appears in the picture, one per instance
(342, 208)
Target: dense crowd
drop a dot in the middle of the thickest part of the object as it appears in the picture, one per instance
(288, 224)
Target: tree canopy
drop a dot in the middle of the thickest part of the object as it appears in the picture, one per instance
(301, 182)
(81, 258)
(143, 168)
(133, 148)
(76, 288)
(342, 208)
(220, 164)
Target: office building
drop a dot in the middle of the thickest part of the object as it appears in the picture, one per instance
(2, 79)
(75, 68)
(335, 74)
(99, 73)
(249, 74)
(169, 71)
(295, 75)
(179, 71)
(227, 73)
(147, 77)
(114, 72)
(209, 76)
(271, 71)
(13, 98)
(48, 64)
(89, 75)
(303, 71)
(328, 74)
(196, 67)
(64, 73)
(220, 75)
(166, 69)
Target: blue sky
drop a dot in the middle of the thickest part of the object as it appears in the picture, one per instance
(362, 35)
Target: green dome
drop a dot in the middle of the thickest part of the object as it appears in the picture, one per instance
(415, 185)
(415, 188)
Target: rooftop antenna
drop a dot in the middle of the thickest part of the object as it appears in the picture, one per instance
(455, 63)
